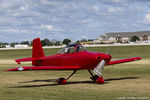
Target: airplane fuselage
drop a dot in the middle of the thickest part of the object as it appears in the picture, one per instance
(83, 59)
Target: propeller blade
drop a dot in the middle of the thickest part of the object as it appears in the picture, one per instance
(99, 67)
(108, 50)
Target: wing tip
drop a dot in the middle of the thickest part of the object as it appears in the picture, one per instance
(17, 61)
(139, 58)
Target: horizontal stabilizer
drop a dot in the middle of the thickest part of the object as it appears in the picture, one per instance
(123, 60)
(45, 68)
(23, 60)
(28, 59)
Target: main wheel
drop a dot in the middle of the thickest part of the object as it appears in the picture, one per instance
(62, 81)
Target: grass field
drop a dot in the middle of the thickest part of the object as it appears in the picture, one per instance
(121, 81)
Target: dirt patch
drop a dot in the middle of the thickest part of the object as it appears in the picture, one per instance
(9, 61)
(6, 61)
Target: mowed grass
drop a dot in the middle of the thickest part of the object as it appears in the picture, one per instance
(122, 80)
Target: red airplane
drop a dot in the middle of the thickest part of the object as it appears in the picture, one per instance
(72, 57)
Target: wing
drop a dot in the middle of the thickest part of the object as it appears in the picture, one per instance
(124, 60)
(45, 68)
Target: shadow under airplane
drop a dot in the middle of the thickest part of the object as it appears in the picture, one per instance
(75, 82)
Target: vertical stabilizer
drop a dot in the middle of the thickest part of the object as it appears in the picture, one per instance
(37, 50)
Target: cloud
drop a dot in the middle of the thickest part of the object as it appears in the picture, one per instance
(24, 7)
(49, 27)
(115, 9)
(75, 19)
(117, 1)
(147, 18)
(15, 31)
(96, 8)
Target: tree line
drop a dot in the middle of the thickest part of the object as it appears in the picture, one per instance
(44, 42)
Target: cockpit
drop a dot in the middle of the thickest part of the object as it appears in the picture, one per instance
(72, 48)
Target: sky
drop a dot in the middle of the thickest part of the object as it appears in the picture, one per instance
(22, 20)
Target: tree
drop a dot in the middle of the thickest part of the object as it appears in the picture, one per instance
(46, 42)
(83, 40)
(90, 40)
(57, 43)
(0, 45)
(66, 41)
(31, 43)
(13, 44)
(25, 42)
(134, 39)
(3, 44)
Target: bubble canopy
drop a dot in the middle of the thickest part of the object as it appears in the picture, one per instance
(72, 48)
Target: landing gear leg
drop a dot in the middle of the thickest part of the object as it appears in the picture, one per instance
(63, 81)
(96, 78)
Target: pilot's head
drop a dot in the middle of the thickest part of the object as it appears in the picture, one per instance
(66, 50)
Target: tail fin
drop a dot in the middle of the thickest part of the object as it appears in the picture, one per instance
(37, 51)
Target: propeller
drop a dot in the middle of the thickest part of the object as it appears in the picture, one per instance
(100, 65)
(109, 49)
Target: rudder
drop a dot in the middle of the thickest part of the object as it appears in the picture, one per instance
(37, 51)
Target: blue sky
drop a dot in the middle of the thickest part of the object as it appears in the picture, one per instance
(75, 19)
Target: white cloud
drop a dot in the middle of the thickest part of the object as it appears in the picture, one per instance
(49, 2)
(49, 27)
(115, 9)
(96, 8)
(5, 5)
(15, 31)
(85, 21)
(146, 19)
(24, 7)
(55, 19)
(117, 1)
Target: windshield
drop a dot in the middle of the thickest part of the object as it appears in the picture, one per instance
(72, 48)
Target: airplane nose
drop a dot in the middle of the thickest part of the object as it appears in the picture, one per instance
(106, 57)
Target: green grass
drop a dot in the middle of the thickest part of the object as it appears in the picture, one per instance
(122, 80)
(116, 52)
(125, 51)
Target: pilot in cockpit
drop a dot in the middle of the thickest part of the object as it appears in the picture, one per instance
(66, 50)
(72, 48)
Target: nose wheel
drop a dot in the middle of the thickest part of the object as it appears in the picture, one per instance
(100, 80)
(96, 78)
